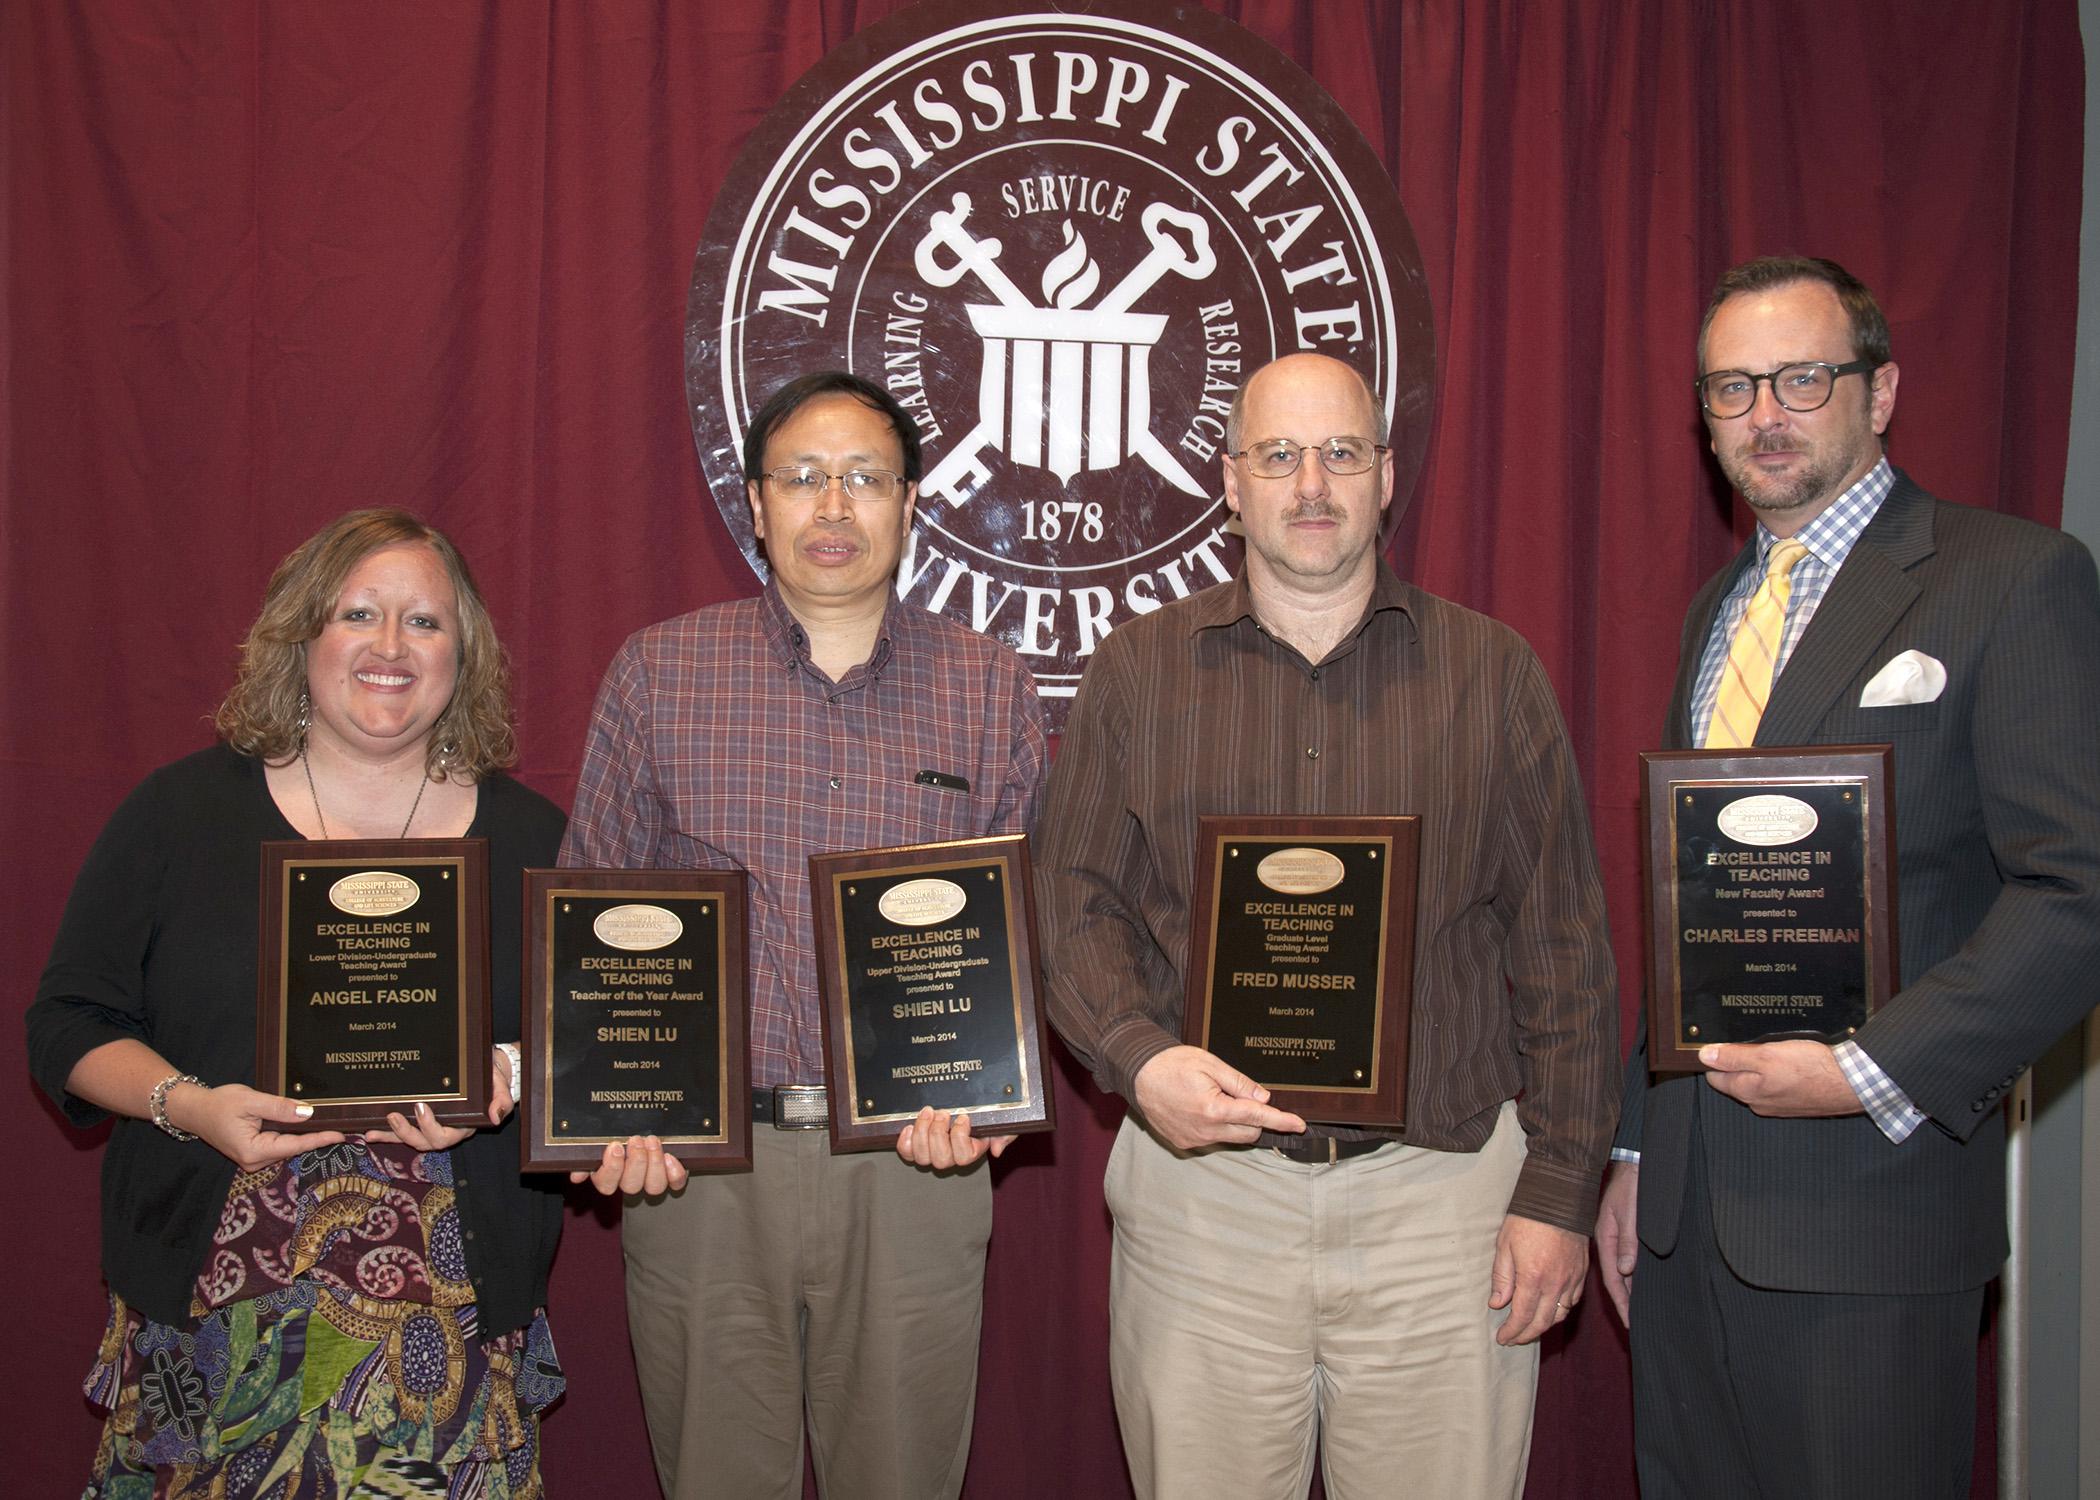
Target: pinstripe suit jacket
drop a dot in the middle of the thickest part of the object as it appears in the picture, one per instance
(1997, 824)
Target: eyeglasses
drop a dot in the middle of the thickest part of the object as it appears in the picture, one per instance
(1802, 387)
(805, 482)
(1278, 458)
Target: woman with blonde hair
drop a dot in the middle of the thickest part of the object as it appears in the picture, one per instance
(306, 1313)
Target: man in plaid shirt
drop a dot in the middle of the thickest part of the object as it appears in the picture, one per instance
(824, 715)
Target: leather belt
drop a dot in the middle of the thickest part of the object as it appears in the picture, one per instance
(791, 1106)
(1324, 1150)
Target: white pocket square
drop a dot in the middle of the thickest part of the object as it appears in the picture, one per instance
(1912, 677)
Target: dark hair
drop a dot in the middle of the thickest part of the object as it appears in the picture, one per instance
(1870, 330)
(798, 393)
(260, 717)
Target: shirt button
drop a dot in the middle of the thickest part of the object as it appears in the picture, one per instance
(836, 783)
(1312, 752)
(1316, 674)
(468, 1235)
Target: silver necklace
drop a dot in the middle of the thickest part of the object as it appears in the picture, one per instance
(311, 791)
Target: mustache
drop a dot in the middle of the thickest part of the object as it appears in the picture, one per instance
(1772, 442)
(1315, 510)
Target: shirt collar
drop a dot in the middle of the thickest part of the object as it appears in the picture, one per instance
(1230, 603)
(1831, 535)
(789, 642)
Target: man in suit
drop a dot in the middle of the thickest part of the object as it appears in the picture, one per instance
(1799, 1238)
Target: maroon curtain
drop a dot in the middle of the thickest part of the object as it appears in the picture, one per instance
(268, 262)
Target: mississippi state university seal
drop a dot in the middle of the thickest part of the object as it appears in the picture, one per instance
(1061, 241)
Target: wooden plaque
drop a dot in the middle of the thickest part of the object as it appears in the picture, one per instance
(1301, 959)
(373, 979)
(926, 960)
(636, 1016)
(1770, 876)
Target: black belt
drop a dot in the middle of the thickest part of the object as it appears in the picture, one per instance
(791, 1106)
(1321, 1150)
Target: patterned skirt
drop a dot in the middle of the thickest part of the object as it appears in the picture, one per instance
(332, 1352)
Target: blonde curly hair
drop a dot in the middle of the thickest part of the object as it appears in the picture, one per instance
(261, 715)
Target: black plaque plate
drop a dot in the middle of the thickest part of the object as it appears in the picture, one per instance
(373, 979)
(1771, 896)
(1301, 959)
(926, 958)
(636, 1016)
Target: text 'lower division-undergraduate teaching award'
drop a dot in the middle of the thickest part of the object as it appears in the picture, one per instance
(373, 986)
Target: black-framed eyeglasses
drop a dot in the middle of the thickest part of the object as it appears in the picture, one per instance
(807, 482)
(1278, 458)
(1798, 387)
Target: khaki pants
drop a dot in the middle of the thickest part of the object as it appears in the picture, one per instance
(1260, 1309)
(849, 1286)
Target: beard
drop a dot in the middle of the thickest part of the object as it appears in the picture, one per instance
(1816, 479)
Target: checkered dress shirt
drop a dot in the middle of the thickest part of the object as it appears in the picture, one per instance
(717, 744)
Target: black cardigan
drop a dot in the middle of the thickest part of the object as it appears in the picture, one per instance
(159, 943)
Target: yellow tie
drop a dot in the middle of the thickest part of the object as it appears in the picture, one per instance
(1746, 682)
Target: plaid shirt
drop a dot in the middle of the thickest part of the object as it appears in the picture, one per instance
(1829, 539)
(717, 744)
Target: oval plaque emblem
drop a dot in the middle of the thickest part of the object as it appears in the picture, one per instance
(374, 893)
(637, 928)
(1300, 872)
(921, 903)
(1767, 819)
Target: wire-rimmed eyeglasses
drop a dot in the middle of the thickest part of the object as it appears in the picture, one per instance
(1278, 458)
(806, 482)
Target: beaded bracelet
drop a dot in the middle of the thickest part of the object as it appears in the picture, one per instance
(157, 1104)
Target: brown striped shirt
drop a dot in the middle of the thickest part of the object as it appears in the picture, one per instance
(1424, 708)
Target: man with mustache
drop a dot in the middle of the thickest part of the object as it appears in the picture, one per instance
(824, 715)
(1801, 1237)
(1282, 1288)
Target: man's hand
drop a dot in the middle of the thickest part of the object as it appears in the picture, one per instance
(1783, 1080)
(1191, 1099)
(640, 1165)
(1618, 1246)
(1538, 1276)
(940, 1142)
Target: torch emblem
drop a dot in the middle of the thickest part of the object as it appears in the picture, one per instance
(1063, 387)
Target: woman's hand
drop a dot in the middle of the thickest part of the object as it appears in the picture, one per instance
(422, 1131)
(241, 1123)
(503, 1098)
